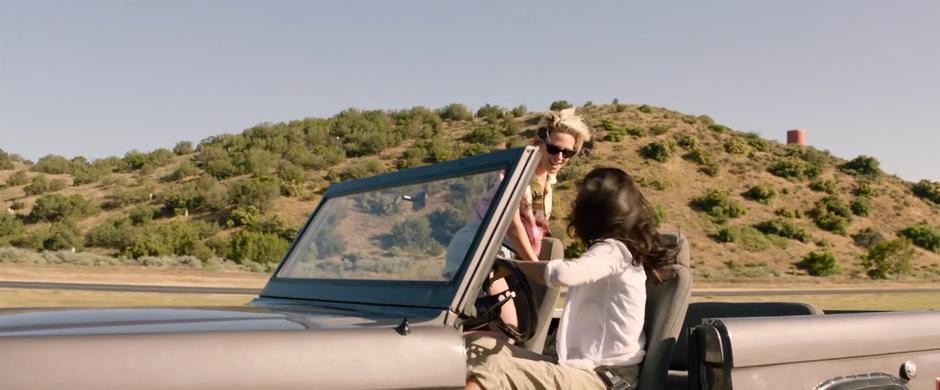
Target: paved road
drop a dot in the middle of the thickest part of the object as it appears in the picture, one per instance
(251, 291)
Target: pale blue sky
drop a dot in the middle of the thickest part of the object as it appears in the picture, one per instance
(100, 78)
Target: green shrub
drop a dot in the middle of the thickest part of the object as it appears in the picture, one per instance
(868, 237)
(10, 226)
(820, 263)
(486, 135)
(243, 216)
(831, 214)
(519, 111)
(378, 203)
(889, 259)
(659, 214)
(56, 185)
(928, 190)
(490, 112)
(574, 249)
(413, 235)
(329, 243)
(699, 156)
(688, 141)
(659, 129)
(56, 207)
(635, 132)
(18, 178)
(216, 162)
(705, 119)
(439, 149)
(52, 164)
(183, 147)
(922, 235)
(258, 162)
(176, 237)
(358, 170)
(752, 239)
(861, 206)
(62, 235)
(455, 112)
(249, 246)
(142, 214)
(737, 146)
(657, 150)
(475, 149)
(645, 109)
(86, 175)
(710, 169)
(789, 213)
(794, 169)
(864, 188)
(726, 234)
(755, 141)
(259, 192)
(559, 105)
(827, 186)
(135, 160)
(184, 170)
(115, 233)
(862, 166)
(444, 223)
(718, 128)
(38, 185)
(783, 228)
(412, 157)
(160, 157)
(719, 205)
(7, 159)
(763, 193)
(276, 225)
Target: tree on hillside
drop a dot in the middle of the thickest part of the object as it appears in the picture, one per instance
(455, 112)
(183, 147)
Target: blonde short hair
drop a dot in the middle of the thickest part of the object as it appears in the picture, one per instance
(567, 122)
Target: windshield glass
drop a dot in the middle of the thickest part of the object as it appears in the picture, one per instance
(414, 232)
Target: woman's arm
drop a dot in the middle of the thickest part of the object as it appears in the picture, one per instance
(600, 261)
(520, 240)
(534, 271)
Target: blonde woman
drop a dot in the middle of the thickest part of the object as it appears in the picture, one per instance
(560, 136)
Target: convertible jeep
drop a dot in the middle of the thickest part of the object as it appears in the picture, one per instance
(383, 280)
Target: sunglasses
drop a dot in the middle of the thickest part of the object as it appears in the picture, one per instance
(554, 150)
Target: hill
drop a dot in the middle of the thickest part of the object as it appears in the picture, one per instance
(751, 207)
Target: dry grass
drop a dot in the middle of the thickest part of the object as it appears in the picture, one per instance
(132, 275)
(10, 298)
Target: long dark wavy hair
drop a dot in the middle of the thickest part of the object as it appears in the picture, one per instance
(609, 205)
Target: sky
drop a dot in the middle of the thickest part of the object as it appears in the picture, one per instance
(100, 78)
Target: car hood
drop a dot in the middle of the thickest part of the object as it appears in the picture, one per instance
(68, 321)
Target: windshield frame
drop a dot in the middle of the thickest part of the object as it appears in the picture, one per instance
(430, 294)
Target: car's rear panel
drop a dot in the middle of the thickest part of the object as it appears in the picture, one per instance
(810, 352)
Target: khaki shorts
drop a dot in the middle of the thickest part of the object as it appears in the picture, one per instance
(499, 365)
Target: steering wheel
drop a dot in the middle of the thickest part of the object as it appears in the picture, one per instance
(488, 306)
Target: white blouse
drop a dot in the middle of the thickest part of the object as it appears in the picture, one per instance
(602, 323)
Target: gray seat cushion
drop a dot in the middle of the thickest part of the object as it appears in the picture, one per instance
(665, 310)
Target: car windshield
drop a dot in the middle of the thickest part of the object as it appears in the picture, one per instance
(415, 232)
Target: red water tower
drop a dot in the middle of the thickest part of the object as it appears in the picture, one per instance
(796, 137)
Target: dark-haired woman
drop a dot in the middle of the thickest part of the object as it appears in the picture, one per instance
(602, 323)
